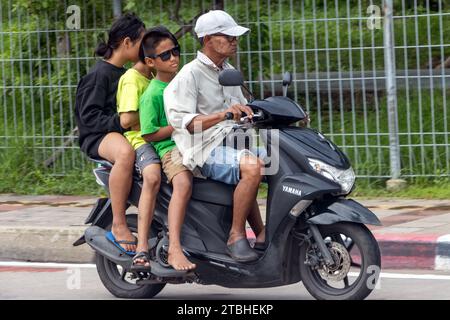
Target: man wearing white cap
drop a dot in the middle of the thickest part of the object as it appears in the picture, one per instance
(196, 106)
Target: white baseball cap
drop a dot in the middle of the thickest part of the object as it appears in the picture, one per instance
(218, 21)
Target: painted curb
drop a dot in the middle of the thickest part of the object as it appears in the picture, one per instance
(442, 260)
(400, 251)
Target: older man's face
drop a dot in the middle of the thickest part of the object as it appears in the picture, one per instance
(224, 45)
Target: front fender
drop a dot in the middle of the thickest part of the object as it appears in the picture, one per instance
(342, 210)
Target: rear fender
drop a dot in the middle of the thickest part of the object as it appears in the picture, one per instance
(100, 215)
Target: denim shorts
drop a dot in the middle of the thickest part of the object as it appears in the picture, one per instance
(223, 164)
(145, 156)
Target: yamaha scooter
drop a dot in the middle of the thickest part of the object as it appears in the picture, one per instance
(315, 234)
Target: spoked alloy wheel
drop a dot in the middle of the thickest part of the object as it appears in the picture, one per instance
(118, 281)
(356, 267)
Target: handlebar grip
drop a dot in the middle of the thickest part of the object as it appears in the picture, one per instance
(229, 116)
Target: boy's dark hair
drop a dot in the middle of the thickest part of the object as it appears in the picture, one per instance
(127, 25)
(151, 40)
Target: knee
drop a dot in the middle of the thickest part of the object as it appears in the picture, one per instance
(152, 180)
(252, 171)
(125, 155)
(261, 163)
(183, 186)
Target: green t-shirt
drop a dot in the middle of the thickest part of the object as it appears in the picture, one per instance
(152, 115)
(131, 86)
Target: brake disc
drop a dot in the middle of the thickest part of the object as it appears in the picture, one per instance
(342, 262)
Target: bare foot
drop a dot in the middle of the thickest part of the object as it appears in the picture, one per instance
(178, 260)
(141, 261)
(122, 233)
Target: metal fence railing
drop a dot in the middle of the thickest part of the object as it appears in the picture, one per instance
(336, 49)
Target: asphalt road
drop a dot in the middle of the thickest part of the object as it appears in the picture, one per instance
(56, 281)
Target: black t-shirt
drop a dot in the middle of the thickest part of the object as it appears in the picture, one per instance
(95, 106)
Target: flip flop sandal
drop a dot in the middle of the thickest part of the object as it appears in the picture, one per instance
(141, 267)
(117, 243)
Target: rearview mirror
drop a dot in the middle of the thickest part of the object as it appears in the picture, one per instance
(287, 79)
(231, 78)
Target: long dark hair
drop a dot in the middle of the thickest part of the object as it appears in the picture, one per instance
(127, 25)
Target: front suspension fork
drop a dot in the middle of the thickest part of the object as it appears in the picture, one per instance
(321, 244)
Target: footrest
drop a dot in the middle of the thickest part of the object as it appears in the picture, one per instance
(160, 271)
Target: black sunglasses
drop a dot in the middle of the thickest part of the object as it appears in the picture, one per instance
(175, 51)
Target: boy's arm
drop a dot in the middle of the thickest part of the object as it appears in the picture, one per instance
(161, 134)
(129, 120)
(128, 105)
(149, 112)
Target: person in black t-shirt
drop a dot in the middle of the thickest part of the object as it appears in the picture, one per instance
(100, 132)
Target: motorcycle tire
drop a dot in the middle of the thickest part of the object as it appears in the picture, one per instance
(369, 263)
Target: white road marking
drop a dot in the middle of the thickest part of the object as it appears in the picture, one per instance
(46, 265)
(92, 266)
(407, 276)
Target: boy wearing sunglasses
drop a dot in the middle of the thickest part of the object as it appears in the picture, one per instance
(132, 85)
(161, 52)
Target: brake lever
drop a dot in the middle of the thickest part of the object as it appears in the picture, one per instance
(256, 116)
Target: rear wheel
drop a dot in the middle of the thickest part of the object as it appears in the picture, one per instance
(357, 263)
(118, 281)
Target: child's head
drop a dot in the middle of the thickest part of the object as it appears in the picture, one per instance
(125, 35)
(160, 50)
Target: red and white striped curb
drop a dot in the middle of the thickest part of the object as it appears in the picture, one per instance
(403, 251)
(442, 261)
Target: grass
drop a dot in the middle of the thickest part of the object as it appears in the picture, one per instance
(437, 188)
(36, 182)
(20, 175)
(422, 125)
(22, 171)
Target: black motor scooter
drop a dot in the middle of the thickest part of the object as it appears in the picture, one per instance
(313, 233)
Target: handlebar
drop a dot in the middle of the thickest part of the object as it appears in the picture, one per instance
(245, 122)
(229, 116)
(245, 118)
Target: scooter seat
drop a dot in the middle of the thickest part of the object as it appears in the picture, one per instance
(203, 189)
(108, 165)
(102, 162)
(212, 191)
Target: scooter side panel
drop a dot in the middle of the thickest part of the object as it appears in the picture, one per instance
(289, 190)
(206, 225)
(277, 266)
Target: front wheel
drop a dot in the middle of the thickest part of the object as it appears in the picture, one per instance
(357, 263)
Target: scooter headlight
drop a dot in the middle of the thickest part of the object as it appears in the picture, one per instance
(346, 178)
